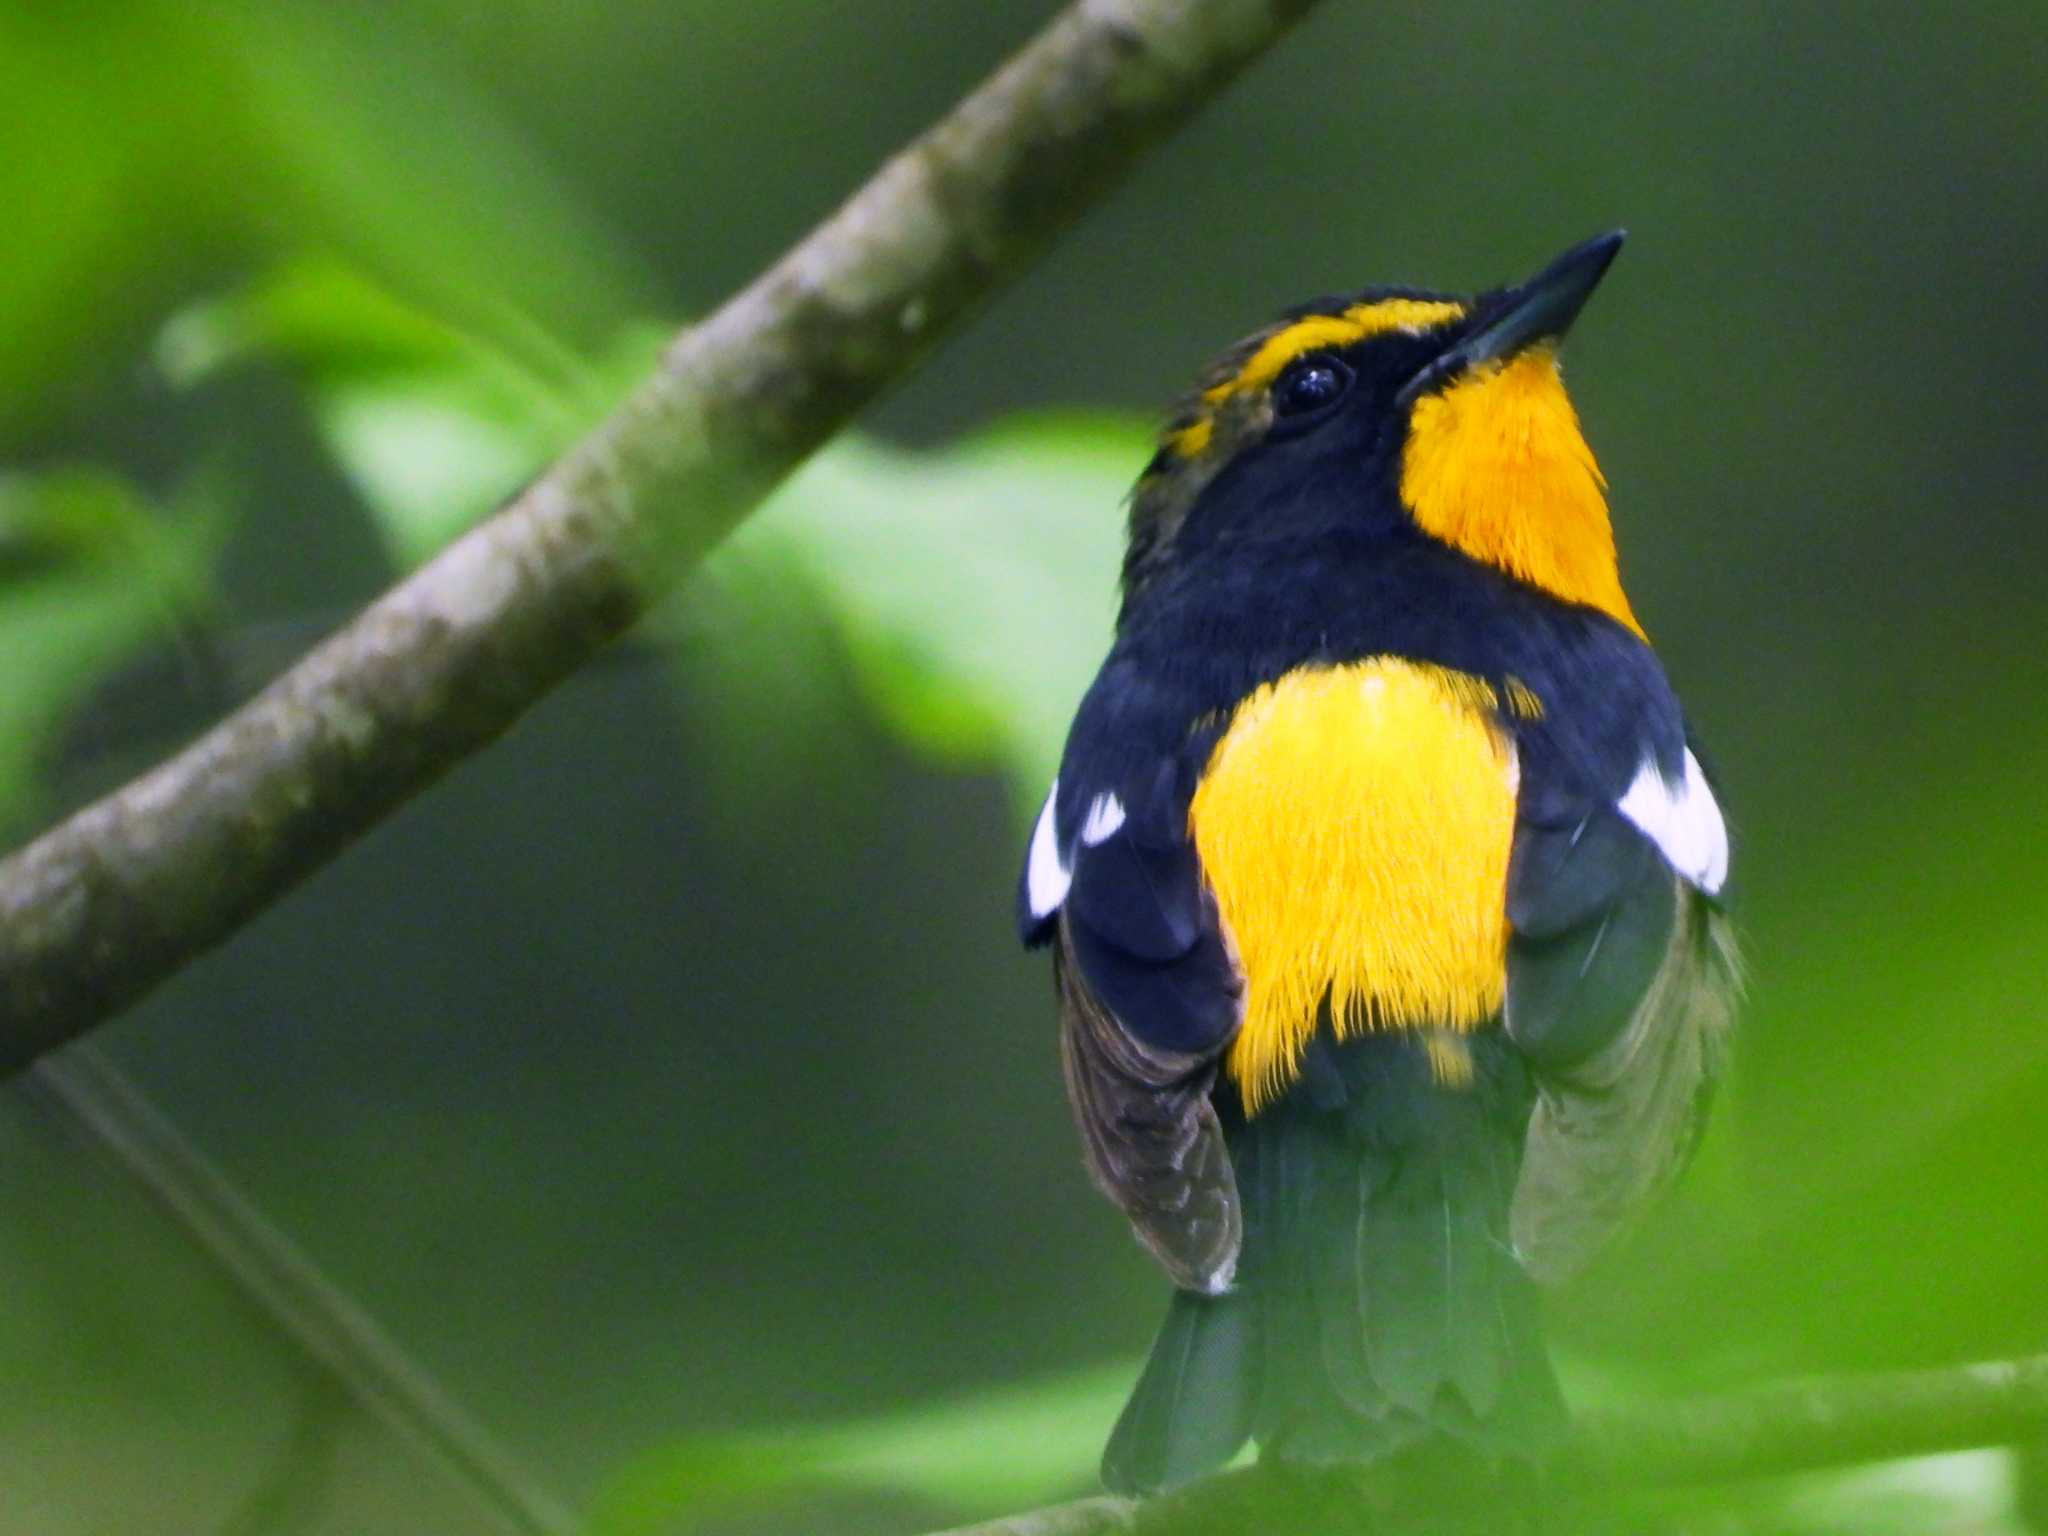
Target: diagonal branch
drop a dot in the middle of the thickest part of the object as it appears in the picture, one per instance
(1829, 1421)
(1795, 1426)
(109, 903)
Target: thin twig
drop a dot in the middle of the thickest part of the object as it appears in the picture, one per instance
(106, 905)
(292, 1293)
(1797, 1426)
(1083, 1517)
(1828, 1421)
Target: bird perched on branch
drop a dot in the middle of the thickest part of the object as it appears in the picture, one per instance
(1383, 884)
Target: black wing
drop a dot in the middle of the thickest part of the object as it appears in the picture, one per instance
(1150, 997)
(1622, 980)
(1151, 1134)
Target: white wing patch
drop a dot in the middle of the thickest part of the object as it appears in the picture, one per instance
(1046, 878)
(1683, 821)
(1105, 815)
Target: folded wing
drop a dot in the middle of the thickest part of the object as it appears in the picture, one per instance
(1622, 980)
(1149, 998)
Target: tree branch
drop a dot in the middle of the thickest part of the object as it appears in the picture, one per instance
(109, 903)
(1795, 1426)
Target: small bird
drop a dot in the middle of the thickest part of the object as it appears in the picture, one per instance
(1383, 881)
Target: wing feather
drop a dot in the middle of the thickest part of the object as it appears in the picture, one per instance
(1153, 1143)
(1613, 1129)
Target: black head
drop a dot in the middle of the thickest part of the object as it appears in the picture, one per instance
(1316, 419)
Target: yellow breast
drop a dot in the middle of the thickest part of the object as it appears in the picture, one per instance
(1354, 823)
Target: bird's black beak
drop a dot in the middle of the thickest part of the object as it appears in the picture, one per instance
(1542, 309)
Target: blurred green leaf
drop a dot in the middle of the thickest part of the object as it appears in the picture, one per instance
(172, 140)
(986, 1453)
(967, 587)
(89, 570)
(433, 424)
(377, 143)
(970, 585)
(67, 215)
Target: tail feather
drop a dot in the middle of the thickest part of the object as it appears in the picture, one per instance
(1280, 1279)
(1342, 1302)
(1448, 1317)
(1404, 1254)
(1192, 1408)
(1378, 1304)
(1431, 1278)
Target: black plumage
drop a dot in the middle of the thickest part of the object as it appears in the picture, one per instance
(1356, 1260)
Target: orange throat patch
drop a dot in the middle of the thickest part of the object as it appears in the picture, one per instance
(1496, 466)
(1354, 823)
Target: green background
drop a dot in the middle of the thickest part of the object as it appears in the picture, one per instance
(668, 1079)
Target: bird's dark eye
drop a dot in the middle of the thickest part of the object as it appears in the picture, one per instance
(1308, 384)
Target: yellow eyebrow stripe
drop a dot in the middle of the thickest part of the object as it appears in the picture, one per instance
(1319, 332)
(1314, 334)
(1191, 440)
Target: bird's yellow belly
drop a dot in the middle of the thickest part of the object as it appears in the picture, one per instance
(1355, 822)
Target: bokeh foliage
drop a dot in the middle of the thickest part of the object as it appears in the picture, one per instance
(667, 1078)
